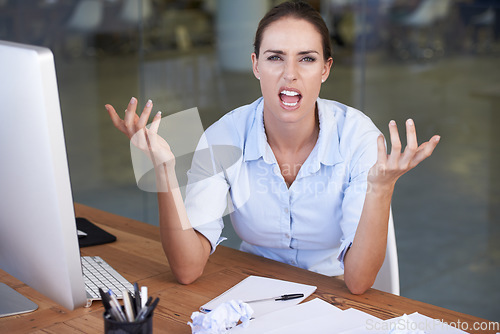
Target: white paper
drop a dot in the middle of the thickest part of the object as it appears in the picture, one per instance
(289, 316)
(434, 325)
(409, 324)
(256, 287)
(327, 324)
(315, 316)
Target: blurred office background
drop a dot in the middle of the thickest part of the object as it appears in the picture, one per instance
(436, 61)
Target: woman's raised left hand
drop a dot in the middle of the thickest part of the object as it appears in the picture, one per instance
(389, 167)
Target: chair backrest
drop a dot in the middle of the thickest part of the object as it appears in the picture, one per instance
(388, 277)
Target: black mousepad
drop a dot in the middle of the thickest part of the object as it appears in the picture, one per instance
(95, 235)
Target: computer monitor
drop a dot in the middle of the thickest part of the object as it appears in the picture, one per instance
(38, 234)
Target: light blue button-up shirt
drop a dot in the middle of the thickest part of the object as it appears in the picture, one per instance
(311, 224)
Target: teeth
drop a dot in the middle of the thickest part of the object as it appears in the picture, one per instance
(289, 93)
(290, 104)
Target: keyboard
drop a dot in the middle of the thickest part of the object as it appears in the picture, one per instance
(99, 274)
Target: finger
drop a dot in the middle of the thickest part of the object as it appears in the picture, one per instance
(151, 137)
(130, 116)
(132, 105)
(411, 143)
(395, 143)
(411, 135)
(143, 119)
(117, 121)
(156, 123)
(381, 150)
(424, 151)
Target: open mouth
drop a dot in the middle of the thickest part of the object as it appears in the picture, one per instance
(290, 98)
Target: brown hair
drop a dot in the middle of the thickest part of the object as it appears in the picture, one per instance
(298, 10)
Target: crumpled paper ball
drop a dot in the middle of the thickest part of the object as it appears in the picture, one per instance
(222, 318)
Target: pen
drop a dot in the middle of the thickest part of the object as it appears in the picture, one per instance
(282, 297)
(141, 313)
(278, 298)
(144, 295)
(148, 310)
(115, 305)
(128, 306)
(105, 299)
(137, 298)
(145, 307)
(134, 306)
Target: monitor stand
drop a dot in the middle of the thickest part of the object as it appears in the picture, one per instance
(12, 302)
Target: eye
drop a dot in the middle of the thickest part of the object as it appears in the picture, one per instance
(274, 58)
(308, 59)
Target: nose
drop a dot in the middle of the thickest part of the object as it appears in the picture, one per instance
(290, 71)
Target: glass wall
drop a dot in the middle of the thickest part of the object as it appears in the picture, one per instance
(436, 61)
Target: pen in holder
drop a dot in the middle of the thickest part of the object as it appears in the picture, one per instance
(144, 326)
(134, 317)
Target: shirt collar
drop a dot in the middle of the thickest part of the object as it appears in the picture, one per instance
(328, 144)
(327, 147)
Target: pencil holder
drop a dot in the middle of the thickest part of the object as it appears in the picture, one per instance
(144, 326)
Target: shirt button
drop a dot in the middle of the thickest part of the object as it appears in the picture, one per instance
(292, 262)
(276, 170)
(287, 235)
(286, 210)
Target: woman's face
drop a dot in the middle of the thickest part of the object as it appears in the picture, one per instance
(291, 68)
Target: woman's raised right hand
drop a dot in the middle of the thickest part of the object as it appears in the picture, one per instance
(146, 139)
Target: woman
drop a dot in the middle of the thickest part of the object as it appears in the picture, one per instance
(313, 183)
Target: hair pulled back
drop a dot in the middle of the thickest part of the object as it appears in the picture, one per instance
(299, 10)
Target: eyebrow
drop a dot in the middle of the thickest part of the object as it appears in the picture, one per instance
(300, 53)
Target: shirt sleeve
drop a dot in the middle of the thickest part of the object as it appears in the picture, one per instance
(212, 231)
(352, 206)
(206, 194)
(205, 206)
(364, 156)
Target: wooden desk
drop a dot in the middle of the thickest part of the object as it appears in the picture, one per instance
(138, 256)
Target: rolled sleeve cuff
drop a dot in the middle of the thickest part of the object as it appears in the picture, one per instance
(214, 246)
(212, 231)
(343, 250)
